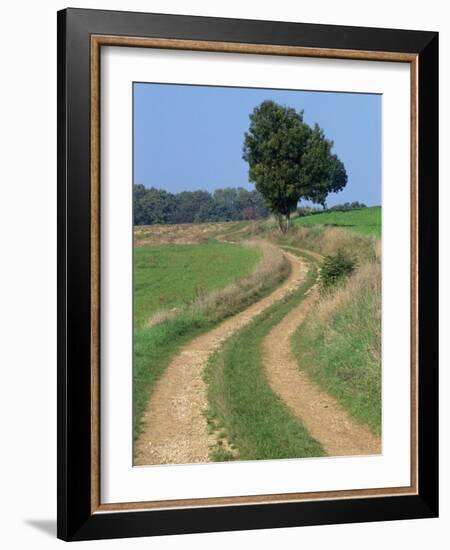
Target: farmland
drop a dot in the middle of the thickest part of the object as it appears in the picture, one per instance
(220, 308)
(168, 276)
(366, 221)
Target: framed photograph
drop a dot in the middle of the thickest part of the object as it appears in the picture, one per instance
(247, 252)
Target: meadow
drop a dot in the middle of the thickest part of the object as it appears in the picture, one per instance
(366, 221)
(168, 276)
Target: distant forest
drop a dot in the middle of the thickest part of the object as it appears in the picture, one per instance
(156, 206)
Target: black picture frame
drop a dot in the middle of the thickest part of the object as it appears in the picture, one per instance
(76, 521)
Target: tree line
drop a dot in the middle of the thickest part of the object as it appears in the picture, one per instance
(156, 206)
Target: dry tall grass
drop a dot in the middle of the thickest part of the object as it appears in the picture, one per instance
(186, 233)
(360, 298)
(361, 287)
(320, 239)
(330, 240)
(218, 304)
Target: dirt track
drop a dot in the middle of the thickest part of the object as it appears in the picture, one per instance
(174, 426)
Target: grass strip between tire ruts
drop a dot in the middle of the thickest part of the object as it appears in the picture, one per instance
(250, 420)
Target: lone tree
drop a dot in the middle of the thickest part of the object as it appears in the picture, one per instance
(289, 161)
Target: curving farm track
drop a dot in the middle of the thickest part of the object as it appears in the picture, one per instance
(175, 430)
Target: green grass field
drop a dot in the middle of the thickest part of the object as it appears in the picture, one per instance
(167, 276)
(365, 220)
(243, 409)
(176, 275)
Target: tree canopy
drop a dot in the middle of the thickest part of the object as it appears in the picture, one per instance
(289, 160)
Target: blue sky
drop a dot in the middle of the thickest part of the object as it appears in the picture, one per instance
(190, 137)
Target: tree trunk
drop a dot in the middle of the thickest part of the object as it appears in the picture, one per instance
(282, 223)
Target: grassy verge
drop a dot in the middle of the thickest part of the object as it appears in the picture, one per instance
(339, 345)
(155, 345)
(251, 421)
